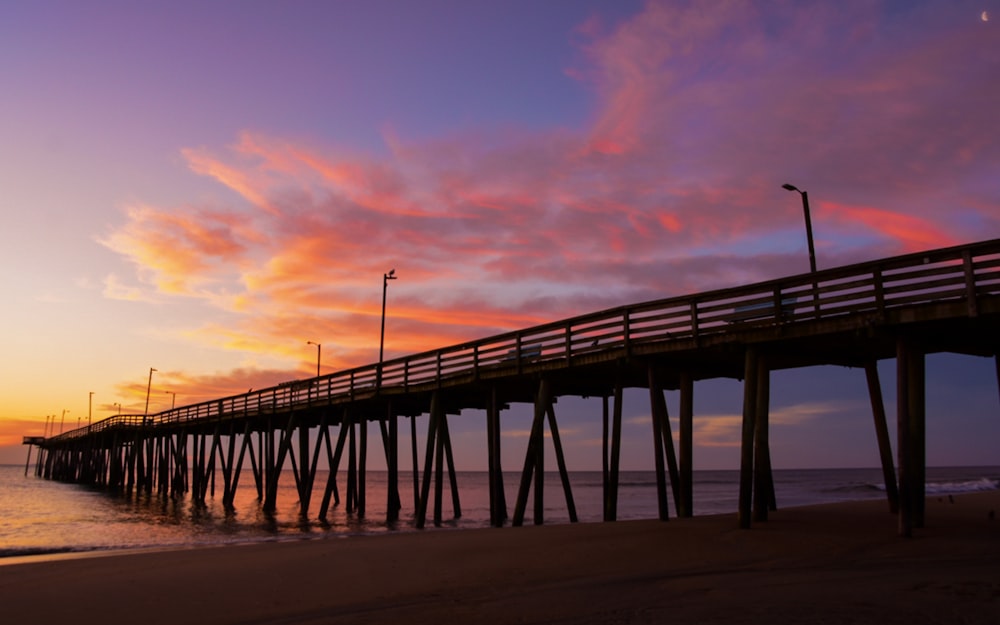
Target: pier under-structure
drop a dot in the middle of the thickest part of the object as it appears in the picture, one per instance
(902, 308)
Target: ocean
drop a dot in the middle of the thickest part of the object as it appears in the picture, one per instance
(40, 517)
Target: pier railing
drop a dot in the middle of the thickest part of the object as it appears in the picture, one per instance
(958, 274)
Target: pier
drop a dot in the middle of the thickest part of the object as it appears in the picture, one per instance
(902, 308)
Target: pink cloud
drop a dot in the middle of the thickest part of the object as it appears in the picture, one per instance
(911, 233)
(699, 117)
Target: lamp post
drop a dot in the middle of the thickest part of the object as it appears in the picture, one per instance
(381, 341)
(62, 422)
(319, 354)
(809, 233)
(173, 399)
(149, 385)
(119, 407)
(90, 408)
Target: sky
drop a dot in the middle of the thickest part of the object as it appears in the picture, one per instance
(202, 188)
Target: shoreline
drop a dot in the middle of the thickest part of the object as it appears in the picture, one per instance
(825, 563)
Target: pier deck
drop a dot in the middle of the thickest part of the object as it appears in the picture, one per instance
(904, 307)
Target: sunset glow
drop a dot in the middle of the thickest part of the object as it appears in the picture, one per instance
(209, 201)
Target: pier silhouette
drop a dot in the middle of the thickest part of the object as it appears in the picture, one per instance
(903, 307)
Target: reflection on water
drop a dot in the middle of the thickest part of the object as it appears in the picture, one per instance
(40, 516)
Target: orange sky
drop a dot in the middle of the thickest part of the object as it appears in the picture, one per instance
(638, 154)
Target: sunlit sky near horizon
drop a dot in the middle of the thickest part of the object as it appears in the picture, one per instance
(203, 187)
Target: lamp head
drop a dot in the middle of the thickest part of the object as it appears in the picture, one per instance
(789, 187)
(391, 275)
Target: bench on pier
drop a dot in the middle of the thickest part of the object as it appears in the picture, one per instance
(762, 310)
(528, 352)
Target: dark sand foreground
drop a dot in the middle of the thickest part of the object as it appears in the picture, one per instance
(840, 563)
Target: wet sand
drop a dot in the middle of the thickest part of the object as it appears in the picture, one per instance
(840, 563)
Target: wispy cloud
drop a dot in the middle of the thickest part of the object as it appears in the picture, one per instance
(115, 289)
(699, 116)
(725, 430)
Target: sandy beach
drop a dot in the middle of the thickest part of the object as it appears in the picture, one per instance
(839, 563)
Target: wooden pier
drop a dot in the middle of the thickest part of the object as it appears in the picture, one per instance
(945, 300)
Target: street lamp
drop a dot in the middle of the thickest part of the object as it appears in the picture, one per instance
(149, 385)
(809, 233)
(90, 408)
(63, 421)
(319, 353)
(119, 407)
(381, 341)
(173, 400)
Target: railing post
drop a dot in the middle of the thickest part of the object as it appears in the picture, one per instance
(970, 283)
(779, 311)
(879, 292)
(815, 294)
(628, 332)
(694, 319)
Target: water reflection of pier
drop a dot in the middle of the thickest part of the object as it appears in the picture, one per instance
(903, 307)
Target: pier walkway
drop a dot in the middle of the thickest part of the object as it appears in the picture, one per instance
(904, 307)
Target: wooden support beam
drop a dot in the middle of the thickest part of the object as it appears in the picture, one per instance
(611, 493)
(750, 389)
(331, 482)
(439, 446)
(910, 434)
(903, 439)
(763, 482)
(456, 505)
(668, 445)
(439, 471)
(657, 407)
(352, 466)
(686, 444)
(561, 462)
(322, 433)
(296, 473)
(267, 457)
(882, 435)
(539, 468)
(216, 447)
(230, 495)
(362, 465)
(542, 399)
(432, 425)
(257, 467)
(918, 436)
(416, 468)
(497, 517)
(605, 466)
(198, 469)
(390, 442)
(305, 470)
(27, 462)
(284, 445)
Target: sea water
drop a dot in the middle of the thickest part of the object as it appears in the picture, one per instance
(39, 516)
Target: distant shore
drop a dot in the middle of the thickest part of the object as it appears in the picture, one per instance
(831, 563)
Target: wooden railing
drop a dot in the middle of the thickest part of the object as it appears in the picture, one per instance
(964, 273)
